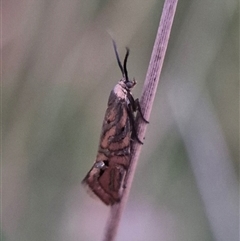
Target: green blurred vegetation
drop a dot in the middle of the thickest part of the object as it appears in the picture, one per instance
(58, 68)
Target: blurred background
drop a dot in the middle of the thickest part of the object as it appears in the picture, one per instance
(58, 68)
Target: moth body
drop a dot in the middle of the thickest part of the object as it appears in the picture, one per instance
(106, 179)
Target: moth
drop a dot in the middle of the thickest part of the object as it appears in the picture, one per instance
(106, 179)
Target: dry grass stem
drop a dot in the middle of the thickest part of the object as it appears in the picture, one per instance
(146, 102)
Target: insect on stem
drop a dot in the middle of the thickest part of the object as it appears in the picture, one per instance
(106, 178)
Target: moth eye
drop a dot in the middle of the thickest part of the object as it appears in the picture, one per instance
(129, 84)
(108, 121)
(123, 128)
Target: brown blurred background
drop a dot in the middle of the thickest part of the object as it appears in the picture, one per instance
(58, 67)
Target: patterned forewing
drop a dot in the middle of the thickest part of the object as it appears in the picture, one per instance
(106, 178)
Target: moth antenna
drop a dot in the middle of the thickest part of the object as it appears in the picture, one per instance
(125, 65)
(117, 56)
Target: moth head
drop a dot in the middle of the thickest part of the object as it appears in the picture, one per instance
(127, 85)
(130, 83)
(124, 82)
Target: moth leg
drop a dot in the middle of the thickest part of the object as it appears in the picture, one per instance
(132, 120)
(134, 133)
(125, 181)
(138, 107)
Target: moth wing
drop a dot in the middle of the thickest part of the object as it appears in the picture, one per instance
(116, 128)
(94, 188)
(112, 181)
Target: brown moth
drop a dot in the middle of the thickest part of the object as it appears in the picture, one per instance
(106, 177)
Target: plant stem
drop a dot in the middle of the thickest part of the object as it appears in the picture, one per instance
(146, 103)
